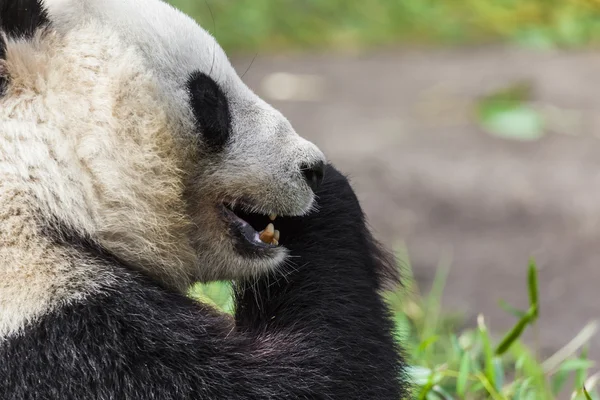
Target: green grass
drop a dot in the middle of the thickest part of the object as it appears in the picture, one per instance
(449, 361)
(269, 25)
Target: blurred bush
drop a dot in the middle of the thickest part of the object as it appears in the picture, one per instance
(296, 24)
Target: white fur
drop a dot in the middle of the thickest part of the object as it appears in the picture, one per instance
(83, 139)
(97, 133)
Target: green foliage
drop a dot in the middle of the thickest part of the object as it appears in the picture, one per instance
(508, 113)
(216, 294)
(472, 364)
(251, 25)
(449, 361)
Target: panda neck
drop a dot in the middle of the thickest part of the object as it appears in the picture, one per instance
(40, 186)
(36, 272)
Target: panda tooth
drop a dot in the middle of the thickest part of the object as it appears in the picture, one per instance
(272, 216)
(275, 242)
(276, 235)
(270, 229)
(266, 236)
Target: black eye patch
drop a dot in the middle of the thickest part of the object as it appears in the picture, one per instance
(211, 110)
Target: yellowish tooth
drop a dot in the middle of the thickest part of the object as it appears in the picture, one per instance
(270, 229)
(275, 242)
(276, 235)
(272, 216)
(267, 235)
(263, 238)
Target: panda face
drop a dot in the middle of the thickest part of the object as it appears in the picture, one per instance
(142, 136)
(252, 167)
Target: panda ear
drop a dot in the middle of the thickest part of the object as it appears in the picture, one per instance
(21, 18)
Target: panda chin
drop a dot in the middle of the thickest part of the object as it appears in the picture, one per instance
(249, 239)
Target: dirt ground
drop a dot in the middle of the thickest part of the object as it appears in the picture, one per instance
(401, 124)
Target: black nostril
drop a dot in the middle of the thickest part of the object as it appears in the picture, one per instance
(313, 174)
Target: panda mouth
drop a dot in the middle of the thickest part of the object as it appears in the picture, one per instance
(253, 230)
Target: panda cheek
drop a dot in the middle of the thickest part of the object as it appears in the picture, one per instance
(211, 110)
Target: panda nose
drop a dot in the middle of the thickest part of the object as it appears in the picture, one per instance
(313, 174)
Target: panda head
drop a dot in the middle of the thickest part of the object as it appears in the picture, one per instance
(136, 131)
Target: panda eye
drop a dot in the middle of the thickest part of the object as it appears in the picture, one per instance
(211, 110)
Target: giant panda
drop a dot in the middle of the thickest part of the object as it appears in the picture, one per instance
(133, 162)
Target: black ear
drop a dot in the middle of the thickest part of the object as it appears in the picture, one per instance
(21, 18)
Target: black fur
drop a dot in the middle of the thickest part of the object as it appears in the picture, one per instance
(3, 74)
(2, 48)
(315, 330)
(21, 18)
(211, 110)
(18, 18)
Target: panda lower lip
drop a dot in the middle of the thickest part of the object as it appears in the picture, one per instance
(267, 237)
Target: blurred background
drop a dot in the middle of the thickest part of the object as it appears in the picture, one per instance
(470, 129)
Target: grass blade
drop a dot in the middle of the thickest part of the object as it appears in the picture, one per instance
(523, 390)
(489, 386)
(488, 353)
(558, 381)
(514, 334)
(532, 279)
(463, 375)
(582, 371)
(583, 337)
